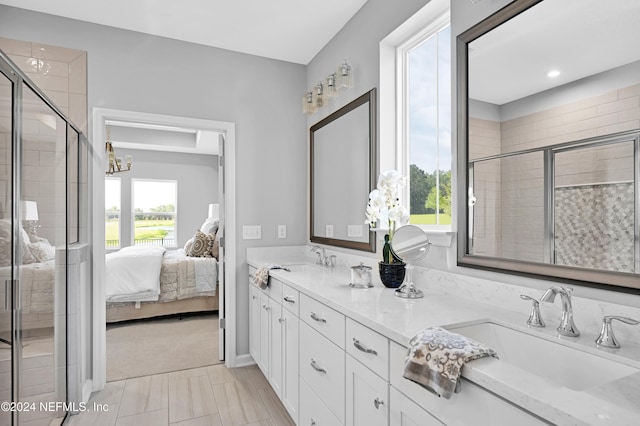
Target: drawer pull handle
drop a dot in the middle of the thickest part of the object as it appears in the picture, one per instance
(314, 364)
(364, 349)
(377, 403)
(280, 320)
(253, 297)
(317, 318)
(267, 308)
(289, 299)
(313, 423)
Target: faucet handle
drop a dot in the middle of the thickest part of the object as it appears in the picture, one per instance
(331, 260)
(535, 319)
(607, 339)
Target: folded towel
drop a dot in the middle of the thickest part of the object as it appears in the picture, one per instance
(436, 357)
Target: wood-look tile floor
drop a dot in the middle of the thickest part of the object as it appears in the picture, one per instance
(205, 396)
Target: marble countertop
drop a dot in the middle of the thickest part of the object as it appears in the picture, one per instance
(614, 403)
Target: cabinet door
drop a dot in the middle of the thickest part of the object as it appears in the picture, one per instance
(367, 396)
(276, 325)
(405, 412)
(254, 323)
(290, 363)
(264, 334)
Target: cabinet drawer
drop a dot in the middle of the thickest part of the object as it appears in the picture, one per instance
(290, 299)
(329, 322)
(474, 405)
(312, 411)
(322, 366)
(368, 347)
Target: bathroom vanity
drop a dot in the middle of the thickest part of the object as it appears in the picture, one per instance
(335, 355)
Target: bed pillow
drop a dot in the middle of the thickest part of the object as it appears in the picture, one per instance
(42, 251)
(210, 226)
(5, 244)
(201, 246)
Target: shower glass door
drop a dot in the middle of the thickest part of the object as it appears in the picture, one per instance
(7, 87)
(33, 252)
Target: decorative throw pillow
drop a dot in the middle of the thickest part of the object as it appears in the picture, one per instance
(42, 251)
(215, 245)
(210, 226)
(188, 245)
(200, 246)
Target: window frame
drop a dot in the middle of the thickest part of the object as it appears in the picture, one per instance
(133, 212)
(402, 112)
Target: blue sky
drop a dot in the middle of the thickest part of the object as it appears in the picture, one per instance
(423, 118)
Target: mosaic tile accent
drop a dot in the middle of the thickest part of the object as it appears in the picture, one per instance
(594, 226)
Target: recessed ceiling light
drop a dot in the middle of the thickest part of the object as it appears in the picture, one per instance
(553, 73)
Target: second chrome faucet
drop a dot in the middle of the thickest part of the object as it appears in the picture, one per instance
(567, 327)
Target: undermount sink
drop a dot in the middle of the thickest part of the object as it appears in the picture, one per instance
(562, 365)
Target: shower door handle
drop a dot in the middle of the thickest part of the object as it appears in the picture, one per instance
(6, 295)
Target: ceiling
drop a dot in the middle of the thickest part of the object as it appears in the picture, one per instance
(287, 30)
(579, 38)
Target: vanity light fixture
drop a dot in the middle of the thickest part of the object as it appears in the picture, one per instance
(553, 73)
(114, 164)
(329, 88)
(308, 107)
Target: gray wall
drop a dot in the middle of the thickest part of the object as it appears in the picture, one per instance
(137, 72)
(197, 177)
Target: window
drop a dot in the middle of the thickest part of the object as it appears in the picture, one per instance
(425, 94)
(112, 212)
(154, 212)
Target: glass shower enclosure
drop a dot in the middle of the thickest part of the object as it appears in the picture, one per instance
(39, 151)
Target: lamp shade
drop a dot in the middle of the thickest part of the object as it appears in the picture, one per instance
(29, 210)
(214, 210)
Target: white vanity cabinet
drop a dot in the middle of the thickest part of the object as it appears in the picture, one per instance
(273, 339)
(367, 396)
(405, 412)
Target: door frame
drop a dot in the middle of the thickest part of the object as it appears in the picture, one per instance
(97, 164)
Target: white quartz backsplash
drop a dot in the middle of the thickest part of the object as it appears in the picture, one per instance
(588, 313)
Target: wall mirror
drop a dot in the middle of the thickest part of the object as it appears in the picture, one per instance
(343, 172)
(548, 141)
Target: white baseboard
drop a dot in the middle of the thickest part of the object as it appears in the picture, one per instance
(241, 361)
(87, 389)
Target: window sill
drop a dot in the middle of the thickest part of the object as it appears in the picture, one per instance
(440, 237)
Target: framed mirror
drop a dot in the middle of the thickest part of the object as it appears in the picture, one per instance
(548, 142)
(343, 172)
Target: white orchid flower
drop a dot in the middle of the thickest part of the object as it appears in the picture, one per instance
(399, 214)
(377, 199)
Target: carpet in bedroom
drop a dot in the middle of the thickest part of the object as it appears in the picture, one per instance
(156, 346)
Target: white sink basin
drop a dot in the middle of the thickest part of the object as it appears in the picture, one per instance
(553, 361)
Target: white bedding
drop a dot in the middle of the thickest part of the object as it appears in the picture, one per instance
(206, 271)
(133, 274)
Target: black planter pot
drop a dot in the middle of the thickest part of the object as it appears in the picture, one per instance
(392, 274)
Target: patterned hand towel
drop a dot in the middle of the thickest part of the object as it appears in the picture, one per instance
(436, 357)
(261, 278)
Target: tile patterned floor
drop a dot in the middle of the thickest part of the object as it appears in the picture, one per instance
(206, 396)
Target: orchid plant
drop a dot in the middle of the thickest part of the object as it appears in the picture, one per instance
(384, 205)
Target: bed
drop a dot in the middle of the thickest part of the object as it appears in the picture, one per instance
(144, 282)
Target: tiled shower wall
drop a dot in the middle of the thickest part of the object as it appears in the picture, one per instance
(520, 211)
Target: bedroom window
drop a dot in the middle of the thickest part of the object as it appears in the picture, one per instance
(424, 90)
(112, 212)
(154, 212)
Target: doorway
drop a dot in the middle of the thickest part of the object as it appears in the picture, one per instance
(226, 266)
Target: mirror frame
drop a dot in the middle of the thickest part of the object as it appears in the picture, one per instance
(370, 98)
(583, 276)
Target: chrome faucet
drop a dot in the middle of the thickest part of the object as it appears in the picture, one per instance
(567, 327)
(323, 259)
(321, 254)
(607, 339)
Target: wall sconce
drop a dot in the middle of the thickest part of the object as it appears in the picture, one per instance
(346, 75)
(317, 97)
(30, 217)
(114, 164)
